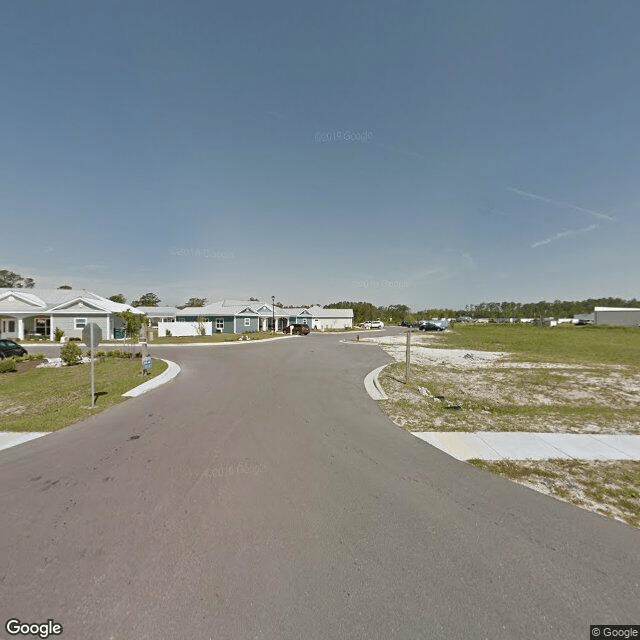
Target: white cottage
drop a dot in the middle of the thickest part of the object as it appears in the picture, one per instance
(24, 312)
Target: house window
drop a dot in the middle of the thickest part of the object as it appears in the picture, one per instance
(247, 322)
(219, 324)
(12, 326)
(80, 323)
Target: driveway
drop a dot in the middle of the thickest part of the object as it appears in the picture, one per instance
(262, 494)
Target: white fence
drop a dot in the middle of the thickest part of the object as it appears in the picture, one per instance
(184, 328)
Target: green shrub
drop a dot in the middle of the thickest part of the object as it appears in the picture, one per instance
(57, 335)
(7, 365)
(70, 353)
(29, 356)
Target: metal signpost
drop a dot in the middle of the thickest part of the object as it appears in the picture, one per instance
(91, 336)
(146, 364)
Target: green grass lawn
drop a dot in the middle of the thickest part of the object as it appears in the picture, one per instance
(565, 343)
(50, 399)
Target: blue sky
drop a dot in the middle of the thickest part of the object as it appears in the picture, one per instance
(426, 153)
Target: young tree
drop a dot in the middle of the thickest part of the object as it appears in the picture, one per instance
(118, 297)
(132, 324)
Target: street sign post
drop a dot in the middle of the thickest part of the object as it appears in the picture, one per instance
(91, 336)
(146, 364)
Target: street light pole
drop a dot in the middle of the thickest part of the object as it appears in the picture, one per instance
(273, 312)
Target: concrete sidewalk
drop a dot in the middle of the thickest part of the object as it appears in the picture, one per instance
(491, 445)
(12, 438)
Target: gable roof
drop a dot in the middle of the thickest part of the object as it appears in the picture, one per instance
(49, 300)
(158, 311)
(9, 295)
(319, 312)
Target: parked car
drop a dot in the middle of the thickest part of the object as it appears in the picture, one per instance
(10, 348)
(377, 324)
(299, 329)
(426, 325)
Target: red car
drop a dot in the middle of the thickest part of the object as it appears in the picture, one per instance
(300, 329)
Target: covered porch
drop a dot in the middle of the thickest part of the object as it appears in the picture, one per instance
(267, 321)
(17, 326)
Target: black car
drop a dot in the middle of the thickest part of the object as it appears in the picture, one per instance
(430, 326)
(10, 348)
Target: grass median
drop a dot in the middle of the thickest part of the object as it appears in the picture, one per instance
(49, 399)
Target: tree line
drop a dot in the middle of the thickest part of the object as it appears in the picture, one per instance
(557, 309)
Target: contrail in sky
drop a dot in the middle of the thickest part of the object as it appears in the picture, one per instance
(596, 214)
(562, 234)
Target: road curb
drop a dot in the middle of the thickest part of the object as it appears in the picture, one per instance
(10, 439)
(372, 384)
(159, 345)
(171, 372)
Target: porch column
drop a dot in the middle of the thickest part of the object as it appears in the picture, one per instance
(51, 328)
(108, 327)
(20, 328)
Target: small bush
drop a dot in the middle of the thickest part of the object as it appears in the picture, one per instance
(168, 333)
(117, 353)
(70, 353)
(29, 356)
(57, 335)
(7, 365)
(101, 354)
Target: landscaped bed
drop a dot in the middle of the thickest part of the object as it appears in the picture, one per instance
(216, 337)
(53, 398)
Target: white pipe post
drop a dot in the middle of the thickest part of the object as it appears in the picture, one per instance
(93, 382)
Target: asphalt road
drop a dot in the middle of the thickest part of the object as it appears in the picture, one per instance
(262, 494)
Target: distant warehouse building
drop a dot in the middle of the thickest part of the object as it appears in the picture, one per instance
(617, 316)
(330, 318)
